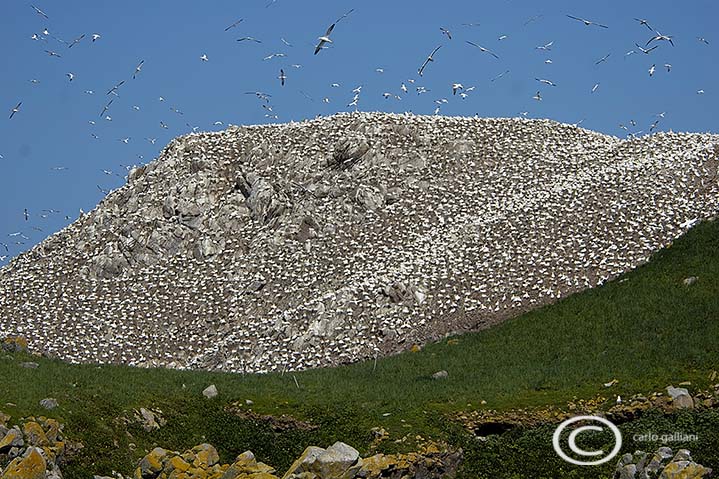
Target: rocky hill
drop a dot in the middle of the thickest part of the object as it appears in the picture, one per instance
(283, 247)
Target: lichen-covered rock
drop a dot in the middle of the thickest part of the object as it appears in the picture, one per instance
(152, 463)
(34, 434)
(13, 438)
(202, 456)
(247, 467)
(304, 462)
(660, 465)
(31, 465)
(14, 344)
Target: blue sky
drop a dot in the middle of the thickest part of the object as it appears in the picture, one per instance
(53, 129)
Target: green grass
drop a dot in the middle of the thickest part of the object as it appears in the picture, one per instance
(647, 330)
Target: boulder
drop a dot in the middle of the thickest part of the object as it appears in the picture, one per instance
(339, 461)
(31, 465)
(49, 403)
(247, 467)
(148, 420)
(15, 344)
(13, 438)
(152, 463)
(681, 399)
(210, 391)
(304, 462)
(660, 465)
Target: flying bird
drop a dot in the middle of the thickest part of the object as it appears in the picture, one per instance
(113, 90)
(53, 54)
(645, 23)
(546, 82)
(106, 107)
(659, 37)
(594, 88)
(430, 58)
(70, 75)
(500, 75)
(587, 22)
(27, 215)
(482, 49)
(651, 70)
(235, 24)
(455, 87)
(15, 110)
(39, 12)
(138, 69)
(646, 51)
(76, 41)
(547, 46)
(282, 77)
(703, 40)
(446, 32)
(204, 57)
(603, 59)
(95, 36)
(326, 37)
(538, 96)
(251, 39)
(532, 19)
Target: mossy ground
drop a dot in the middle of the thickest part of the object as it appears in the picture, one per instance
(646, 329)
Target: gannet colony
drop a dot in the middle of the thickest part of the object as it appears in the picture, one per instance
(285, 247)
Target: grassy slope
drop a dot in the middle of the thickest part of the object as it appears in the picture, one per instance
(647, 330)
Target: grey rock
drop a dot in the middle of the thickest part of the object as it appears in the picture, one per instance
(49, 403)
(210, 391)
(29, 365)
(340, 461)
(681, 399)
(440, 375)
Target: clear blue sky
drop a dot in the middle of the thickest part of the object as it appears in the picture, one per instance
(52, 128)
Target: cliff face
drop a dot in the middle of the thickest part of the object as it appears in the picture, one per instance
(310, 244)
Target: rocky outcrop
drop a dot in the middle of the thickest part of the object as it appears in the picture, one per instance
(34, 449)
(286, 247)
(14, 344)
(339, 461)
(663, 464)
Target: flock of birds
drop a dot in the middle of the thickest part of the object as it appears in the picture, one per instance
(655, 39)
